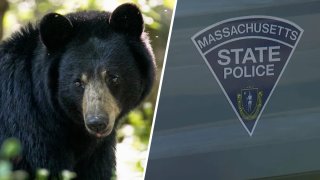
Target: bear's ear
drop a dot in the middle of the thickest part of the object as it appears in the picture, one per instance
(55, 30)
(127, 18)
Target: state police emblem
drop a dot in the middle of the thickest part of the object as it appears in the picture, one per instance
(247, 56)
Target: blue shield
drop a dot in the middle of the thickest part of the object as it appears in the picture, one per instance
(247, 56)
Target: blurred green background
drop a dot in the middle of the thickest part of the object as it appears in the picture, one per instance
(134, 130)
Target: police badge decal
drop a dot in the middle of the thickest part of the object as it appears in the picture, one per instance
(247, 56)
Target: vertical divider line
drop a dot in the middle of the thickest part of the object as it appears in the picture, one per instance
(160, 87)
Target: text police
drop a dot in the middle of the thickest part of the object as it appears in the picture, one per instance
(245, 56)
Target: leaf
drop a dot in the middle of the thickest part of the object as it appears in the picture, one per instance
(11, 148)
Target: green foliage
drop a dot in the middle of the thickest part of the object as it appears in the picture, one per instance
(68, 175)
(42, 174)
(10, 151)
(137, 125)
(140, 121)
(10, 148)
(156, 13)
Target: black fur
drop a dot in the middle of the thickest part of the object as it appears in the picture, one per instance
(38, 101)
(127, 19)
(55, 30)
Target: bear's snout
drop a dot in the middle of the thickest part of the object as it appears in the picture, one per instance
(97, 124)
(100, 108)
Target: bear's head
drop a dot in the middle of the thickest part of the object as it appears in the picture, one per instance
(105, 65)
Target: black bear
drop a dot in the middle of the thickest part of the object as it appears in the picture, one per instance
(65, 83)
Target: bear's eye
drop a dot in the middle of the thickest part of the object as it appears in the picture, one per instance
(79, 83)
(114, 79)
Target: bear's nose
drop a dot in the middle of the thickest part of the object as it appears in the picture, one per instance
(97, 123)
